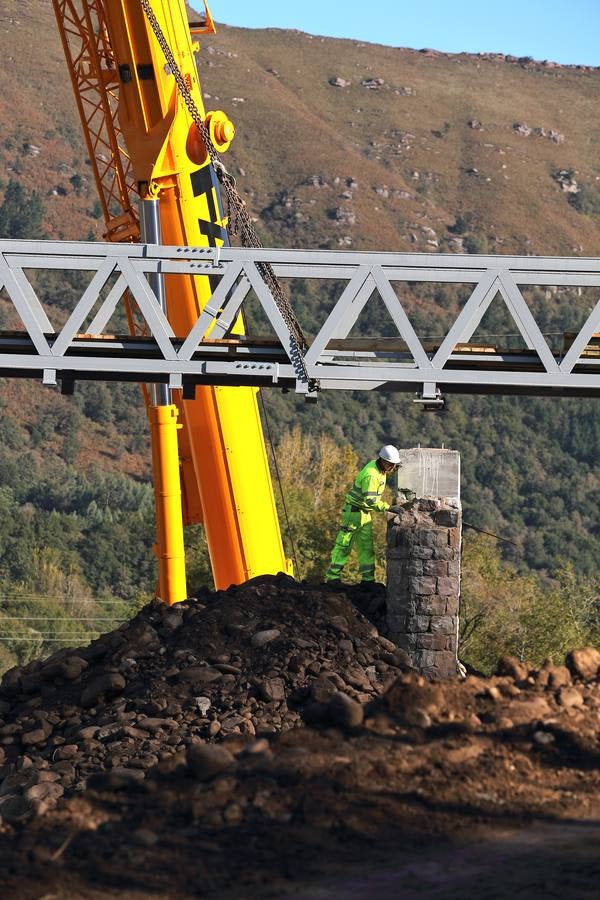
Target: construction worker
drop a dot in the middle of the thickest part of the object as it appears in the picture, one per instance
(357, 527)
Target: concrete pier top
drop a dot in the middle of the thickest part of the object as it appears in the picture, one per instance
(430, 472)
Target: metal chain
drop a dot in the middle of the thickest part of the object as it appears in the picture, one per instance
(239, 220)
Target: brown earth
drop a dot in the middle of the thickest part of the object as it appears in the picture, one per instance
(322, 767)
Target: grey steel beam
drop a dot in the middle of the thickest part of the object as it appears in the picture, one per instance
(195, 357)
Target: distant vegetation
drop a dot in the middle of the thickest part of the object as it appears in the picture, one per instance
(507, 611)
(21, 213)
(587, 200)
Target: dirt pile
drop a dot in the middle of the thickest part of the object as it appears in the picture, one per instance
(254, 742)
(256, 658)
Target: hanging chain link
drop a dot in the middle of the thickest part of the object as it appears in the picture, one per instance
(239, 221)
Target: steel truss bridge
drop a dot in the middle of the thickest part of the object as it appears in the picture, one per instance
(84, 349)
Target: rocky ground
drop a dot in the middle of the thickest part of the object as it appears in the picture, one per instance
(267, 741)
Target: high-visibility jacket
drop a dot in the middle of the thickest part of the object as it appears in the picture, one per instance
(365, 493)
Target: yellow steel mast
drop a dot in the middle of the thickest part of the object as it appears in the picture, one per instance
(133, 114)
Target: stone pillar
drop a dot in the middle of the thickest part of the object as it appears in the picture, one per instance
(423, 583)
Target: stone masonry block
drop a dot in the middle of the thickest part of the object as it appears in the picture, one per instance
(454, 568)
(446, 553)
(398, 602)
(454, 537)
(396, 537)
(405, 641)
(400, 537)
(442, 624)
(424, 552)
(445, 663)
(417, 624)
(423, 658)
(446, 586)
(432, 606)
(398, 581)
(446, 517)
(434, 538)
(432, 641)
(421, 585)
(400, 553)
(435, 567)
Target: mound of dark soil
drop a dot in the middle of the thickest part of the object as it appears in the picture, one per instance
(257, 658)
(257, 742)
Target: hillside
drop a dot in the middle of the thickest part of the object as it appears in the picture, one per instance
(427, 137)
(345, 145)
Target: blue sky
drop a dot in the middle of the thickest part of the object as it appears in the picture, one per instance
(566, 32)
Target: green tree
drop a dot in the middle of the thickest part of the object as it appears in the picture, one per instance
(506, 611)
(21, 213)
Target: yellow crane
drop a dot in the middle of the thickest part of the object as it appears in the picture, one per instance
(144, 144)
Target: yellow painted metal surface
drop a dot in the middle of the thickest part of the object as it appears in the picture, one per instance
(223, 447)
(167, 492)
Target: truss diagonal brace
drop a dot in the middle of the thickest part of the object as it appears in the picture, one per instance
(150, 308)
(83, 308)
(400, 318)
(469, 317)
(526, 323)
(27, 305)
(344, 314)
(210, 312)
(282, 331)
(582, 339)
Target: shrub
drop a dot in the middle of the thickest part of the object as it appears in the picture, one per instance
(587, 201)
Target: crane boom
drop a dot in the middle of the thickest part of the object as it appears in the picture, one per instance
(141, 140)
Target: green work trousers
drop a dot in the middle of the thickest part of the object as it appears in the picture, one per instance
(356, 530)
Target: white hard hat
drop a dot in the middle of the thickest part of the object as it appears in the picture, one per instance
(390, 454)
